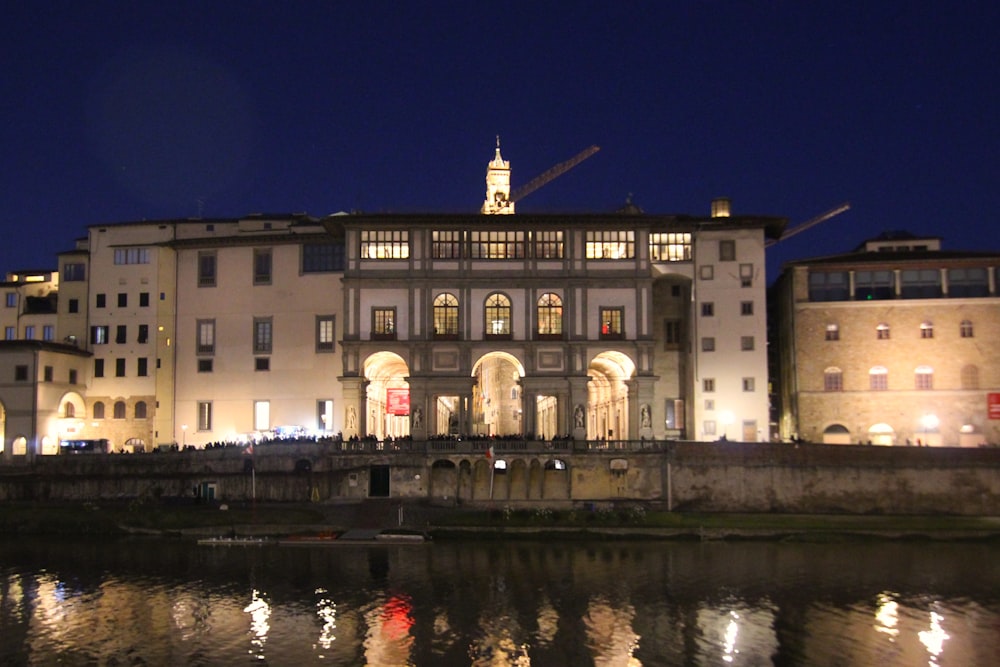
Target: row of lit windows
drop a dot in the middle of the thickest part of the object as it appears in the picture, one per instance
(882, 330)
(100, 334)
(902, 284)
(497, 313)
(878, 378)
(30, 330)
(314, 258)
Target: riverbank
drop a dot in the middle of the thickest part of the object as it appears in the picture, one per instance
(635, 522)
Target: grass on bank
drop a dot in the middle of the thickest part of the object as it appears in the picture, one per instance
(115, 518)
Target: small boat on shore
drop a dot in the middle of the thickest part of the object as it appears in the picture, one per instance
(234, 541)
(357, 536)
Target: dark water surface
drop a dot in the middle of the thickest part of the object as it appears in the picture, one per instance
(499, 603)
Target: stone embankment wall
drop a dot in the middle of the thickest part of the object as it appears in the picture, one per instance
(703, 477)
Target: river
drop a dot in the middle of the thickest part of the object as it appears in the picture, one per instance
(572, 603)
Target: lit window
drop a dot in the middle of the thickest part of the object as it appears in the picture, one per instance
(99, 335)
(385, 244)
(548, 244)
(383, 323)
(206, 337)
(549, 315)
(204, 415)
(445, 315)
(612, 323)
(610, 244)
(878, 378)
(497, 244)
(498, 313)
(833, 379)
(832, 332)
(927, 330)
(882, 332)
(325, 333)
(670, 247)
(446, 244)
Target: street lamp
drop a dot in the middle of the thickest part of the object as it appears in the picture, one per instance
(184, 429)
(727, 418)
(930, 423)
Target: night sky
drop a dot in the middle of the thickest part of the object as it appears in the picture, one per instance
(115, 112)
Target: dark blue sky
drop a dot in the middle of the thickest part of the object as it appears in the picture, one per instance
(144, 110)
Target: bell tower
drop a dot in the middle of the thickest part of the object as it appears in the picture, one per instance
(497, 186)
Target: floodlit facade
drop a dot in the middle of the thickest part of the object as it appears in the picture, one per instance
(892, 344)
(610, 327)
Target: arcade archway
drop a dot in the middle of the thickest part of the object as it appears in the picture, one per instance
(387, 406)
(607, 396)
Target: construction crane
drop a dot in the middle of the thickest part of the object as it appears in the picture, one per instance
(808, 224)
(552, 174)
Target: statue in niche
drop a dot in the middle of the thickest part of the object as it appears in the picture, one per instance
(578, 416)
(352, 418)
(418, 417)
(644, 419)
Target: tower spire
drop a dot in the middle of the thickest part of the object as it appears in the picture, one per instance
(497, 185)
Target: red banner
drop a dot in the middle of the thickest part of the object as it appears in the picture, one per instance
(993, 405)
(397, 401)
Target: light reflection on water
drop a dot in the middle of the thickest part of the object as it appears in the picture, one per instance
(611, 604)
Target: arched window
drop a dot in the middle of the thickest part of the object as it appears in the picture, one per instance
(970, 377)
(550, 315)
(924, 377)
(878, 378)
(140, 410)
(832, 332)
(882, 331)
(445, 315)
(833, 379)
(98, 410)
(119, 410)
(69, 411)
(927, 329)
(965, 329)
(497, 315)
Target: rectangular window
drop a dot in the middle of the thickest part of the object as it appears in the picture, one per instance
(123, 300)
(612, 323)
(73, 306)
(121, 334)
(874, 285)
(548, 244)
(497, 244)
(322, 257)
(144, 299)
(262, 415)
(674, 413)
(262, 338)
(325, 333)
(262, 266)
(120, 367)
(709, 404)
(708, 309)
(204, 415)
(709, 427)
(707, 272)
(746, 343)
(879, 381)
(746, 307)
(746, 275)
(206, 337)
(385, 244)
(832, 332)
(833, 380)
(708, 385)
(749, 384)
(829, 286)
(324, 414)
(727, 251)
(99, 335)
(611, 244)
(142, 367)
(143, 333)
(98, 368)
(206, 269)
(48, 332)
(968, 283)
(671, 334)
(920, 284)
(924, 381)
(48, 373)
(383, 324)
(708, 344)
(72, 376)
(262, 363)
(20, 373)
(74, 272)
(670, 247)
(205, 365)
(446, 244)
(10, 333)
(100, 300)
(29, 332)
(11, 299)
(131, 256)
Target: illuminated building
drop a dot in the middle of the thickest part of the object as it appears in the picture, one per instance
(618, 326)
(891, 344)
